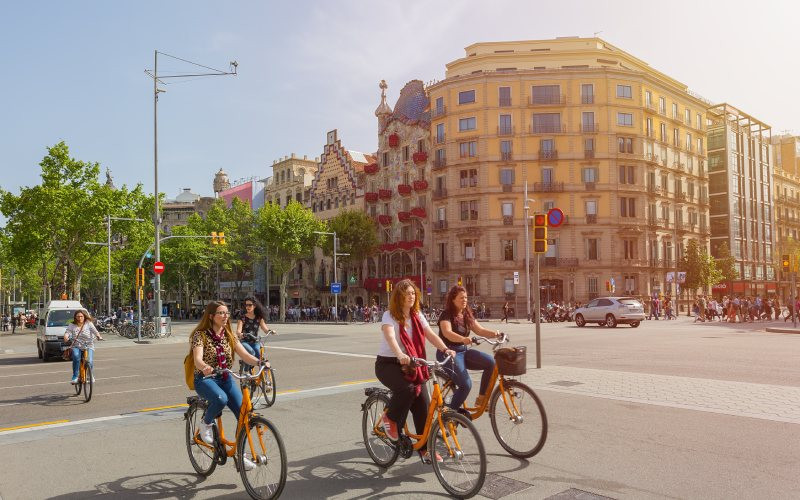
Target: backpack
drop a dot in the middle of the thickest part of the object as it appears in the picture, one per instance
(188, 369)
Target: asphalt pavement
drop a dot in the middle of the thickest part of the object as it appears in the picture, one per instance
(669, 409)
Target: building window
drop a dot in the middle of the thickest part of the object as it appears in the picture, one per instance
(588, 145)
(587, 93)
(649, 127)
(625, 145)
(587, 122)
(469, 210)
(662, 105)
(627, 207)
(440, 157)
(504, 125)
(591, 207)
(509, 250)
(689, 141)
(508, 285)
(466, 124)
(507, 176)
(626, 174)
(700, 145)
(469, 250)
(648, 98)
(385, 162)
(466, 97)
(507, 208)
(505, 150)
(546, 123)
(625, 119)
(546, 94)
(405, 153)
(687, 117)
(676, 141)
(468, 149)
(624, 91)
(592, 249)
(504, 96)
(589, 174)
(591, 284)
(547, 146)
(443, 286)
(699, 122)
(663, 132)
(442, 213)
(468, 178)
(629, 249)
(675, 110)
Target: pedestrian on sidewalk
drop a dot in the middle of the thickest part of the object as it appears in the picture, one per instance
(505, 313)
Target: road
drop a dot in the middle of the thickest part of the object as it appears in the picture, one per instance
(669, 409)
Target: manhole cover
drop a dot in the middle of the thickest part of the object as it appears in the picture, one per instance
(565, 383)
(576, 494)
(497, 486)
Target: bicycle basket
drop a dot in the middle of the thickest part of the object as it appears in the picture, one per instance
(510, 361)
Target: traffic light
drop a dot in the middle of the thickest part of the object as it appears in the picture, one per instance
(459, 281)
(388, 286)
(221, 238)
(217, 238)
(539, 233)
(608, 286)
(786, 263)
(214, 238)
(139, 277)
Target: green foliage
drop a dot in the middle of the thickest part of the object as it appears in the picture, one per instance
(356, 233)
(701, 268)
(726, 264)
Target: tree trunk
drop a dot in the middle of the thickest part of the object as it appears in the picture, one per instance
(284, 282)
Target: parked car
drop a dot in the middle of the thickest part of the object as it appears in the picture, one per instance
(610, 311)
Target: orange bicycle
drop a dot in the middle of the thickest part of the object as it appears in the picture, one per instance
(85, 378)
(258, 450)
(262, 389)
(451, 435)
(519, 421)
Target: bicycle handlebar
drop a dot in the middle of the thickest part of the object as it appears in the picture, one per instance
(431, 364)
(235, 375)
(504, 338)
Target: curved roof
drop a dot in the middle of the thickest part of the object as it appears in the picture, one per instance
(413, 104)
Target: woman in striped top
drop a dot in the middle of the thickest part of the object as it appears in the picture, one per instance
(83, 332)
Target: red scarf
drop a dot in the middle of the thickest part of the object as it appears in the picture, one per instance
(222, 359)
(415, 347)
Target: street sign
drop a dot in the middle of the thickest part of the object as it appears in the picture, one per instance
(336, 288)
(516, 277)
(158, 267)
(352, 280)
(555, 217)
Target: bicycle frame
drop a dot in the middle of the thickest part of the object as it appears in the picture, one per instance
(82, 369)
(477, 411)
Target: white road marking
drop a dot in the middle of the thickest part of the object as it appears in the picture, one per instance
(64, 382)
(140, 390)
(354, 355)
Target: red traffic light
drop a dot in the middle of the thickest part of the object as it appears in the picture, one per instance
(540, 220)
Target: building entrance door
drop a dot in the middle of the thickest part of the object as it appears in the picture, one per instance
(551, 290)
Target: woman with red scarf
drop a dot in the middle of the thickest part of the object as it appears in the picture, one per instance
(213, 345)
(404, 330)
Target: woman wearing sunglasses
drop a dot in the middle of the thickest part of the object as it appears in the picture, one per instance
(253, 319)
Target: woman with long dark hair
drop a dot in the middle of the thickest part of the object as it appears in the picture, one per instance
(253, 319)
(404, 330)
(455, 324)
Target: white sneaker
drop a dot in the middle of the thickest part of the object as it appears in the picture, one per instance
(206, 433)
(248, 464)
(74, 381)
(92, 378)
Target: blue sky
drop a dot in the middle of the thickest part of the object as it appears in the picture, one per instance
(74, 71)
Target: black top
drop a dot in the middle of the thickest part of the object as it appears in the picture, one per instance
(457, 326)
(250, 327)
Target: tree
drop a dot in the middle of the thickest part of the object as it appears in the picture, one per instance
(692, 262)
(726, 264)
(357, 237)
(286, 236)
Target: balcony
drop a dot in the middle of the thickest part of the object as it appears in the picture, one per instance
(590, 186)
(394, 140)
(548, 187)
(419, 157)
(653, 222)
(703, 200)
(507, 188)
(560, 262)
(548, 129)
(420, 185)
(439, 225)
(548, 154)
(385, 220)
(548, 100)
(508, 220)
(505, 130)
(441, 265)
(438, 194)
(680, 226)
(681, 196)
(506, 156)
(404, 216)
(371, 169)
(651, 108)
(440, 162)
(440, 138)
(385, 194)
(591, 218)
(653, 158)
(587, 99)
(438, 111)
(505, 102)
(404, 189)
(590, 128)
(588, 153)
(371, 197)
(664, 223)
(653, 189)
(419, 212)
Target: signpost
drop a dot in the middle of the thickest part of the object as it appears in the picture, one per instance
(158, 267)
(336, 288)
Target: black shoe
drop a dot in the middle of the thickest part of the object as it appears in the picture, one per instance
(464, 412)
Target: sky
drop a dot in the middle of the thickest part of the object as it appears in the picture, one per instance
(74, 71)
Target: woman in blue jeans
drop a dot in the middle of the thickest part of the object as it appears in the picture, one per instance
(455, 324)
(253, 319)
(213, 345)
(82, 332)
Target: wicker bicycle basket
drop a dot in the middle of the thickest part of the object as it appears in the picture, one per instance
(511, 361)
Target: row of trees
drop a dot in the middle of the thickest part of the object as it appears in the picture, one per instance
(49, 225)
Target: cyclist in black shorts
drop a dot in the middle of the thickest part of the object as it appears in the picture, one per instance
(247, 328)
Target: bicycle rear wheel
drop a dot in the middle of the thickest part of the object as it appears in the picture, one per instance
(463, 467)
(266, 476)
(382, 451)
(88, 383)
(202, 456)
(521, 426)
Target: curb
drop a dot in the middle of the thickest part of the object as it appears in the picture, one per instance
(784, 330)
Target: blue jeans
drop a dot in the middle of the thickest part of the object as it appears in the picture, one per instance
(253, 348)
(218, 393)
(468, 359)
(76, 360)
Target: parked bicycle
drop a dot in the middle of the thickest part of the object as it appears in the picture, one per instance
(257, 451)
(451, 435)
(518, 419)
(262, 388)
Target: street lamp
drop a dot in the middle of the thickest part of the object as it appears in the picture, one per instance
(335, 270)
(528, 252)
(156, 79)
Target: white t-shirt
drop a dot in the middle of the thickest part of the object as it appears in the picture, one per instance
(384, 349)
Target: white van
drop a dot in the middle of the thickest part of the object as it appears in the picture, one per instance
(53, 323)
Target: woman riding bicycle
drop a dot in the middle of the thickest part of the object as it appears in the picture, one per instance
(404, 330)
(213, 344)
(84, 333)
(455, 324)
(253, 319)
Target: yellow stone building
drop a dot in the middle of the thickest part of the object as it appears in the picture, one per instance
(786, 158)
(290, 180)
(591, 129)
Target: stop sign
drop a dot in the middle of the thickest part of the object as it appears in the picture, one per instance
(158, 267)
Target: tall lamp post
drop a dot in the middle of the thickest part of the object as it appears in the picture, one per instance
(527, 252)
(156, 79)
(335, 269)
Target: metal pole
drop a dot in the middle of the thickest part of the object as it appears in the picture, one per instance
(108, 247)
(794, 301)
(675, 275)
(527, 256)
(538, 315)
(335, 279)
(157, 214)
(422, 284)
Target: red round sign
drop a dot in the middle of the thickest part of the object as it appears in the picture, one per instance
(158, 267)
(555, 217)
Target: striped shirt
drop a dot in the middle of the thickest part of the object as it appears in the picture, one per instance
(85, 339)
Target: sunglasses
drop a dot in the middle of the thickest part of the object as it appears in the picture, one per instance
(249, 305)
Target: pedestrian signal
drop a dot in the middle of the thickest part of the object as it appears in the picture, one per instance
(786, 263)
(539, 233)
(459, 281)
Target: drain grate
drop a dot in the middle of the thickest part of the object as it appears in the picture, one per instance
(565, 383)
(576, 494)
(497, 486)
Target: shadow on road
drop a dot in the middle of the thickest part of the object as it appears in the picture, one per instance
(24, 360)
(61, 399)
(167, 485)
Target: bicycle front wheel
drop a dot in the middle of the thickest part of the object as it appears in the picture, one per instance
(462, 470)
(88, 383)
(266, 390)
(261, 459)
(202, 456)
(382, 451)
(520, 422)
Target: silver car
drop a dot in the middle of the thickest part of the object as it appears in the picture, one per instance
(610, 311)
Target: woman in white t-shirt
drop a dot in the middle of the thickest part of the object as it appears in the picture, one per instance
(404, 330)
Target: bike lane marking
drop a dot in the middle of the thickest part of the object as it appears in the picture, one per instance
(62, 382)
